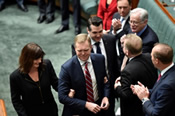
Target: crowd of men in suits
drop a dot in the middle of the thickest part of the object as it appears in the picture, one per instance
(136, 85)
(95, 72)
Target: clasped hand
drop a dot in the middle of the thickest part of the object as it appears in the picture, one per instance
(95, 108)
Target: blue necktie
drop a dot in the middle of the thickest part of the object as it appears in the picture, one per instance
(98, 47)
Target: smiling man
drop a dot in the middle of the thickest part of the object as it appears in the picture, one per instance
(138, 24)
(85, 74)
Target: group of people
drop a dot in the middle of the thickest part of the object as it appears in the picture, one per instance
(47, 12)
(120, 63)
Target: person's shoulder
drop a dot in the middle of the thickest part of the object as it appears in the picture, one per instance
(47, 61)
(70, 61)
(97, 56)
(109, 37)
(15, 73)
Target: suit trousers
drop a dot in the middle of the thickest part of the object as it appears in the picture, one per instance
(65, 12)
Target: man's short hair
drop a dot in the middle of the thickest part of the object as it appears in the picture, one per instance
(96, 21)
(81, 38)
(142, 12)
(133, 43)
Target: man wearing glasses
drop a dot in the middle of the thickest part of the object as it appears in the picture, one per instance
(138, 24)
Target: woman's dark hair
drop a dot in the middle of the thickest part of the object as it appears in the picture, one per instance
(29, 53)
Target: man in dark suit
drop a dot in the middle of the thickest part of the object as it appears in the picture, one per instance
(139, 68)
(46, 10)
(20, 3)
(159, 101)
(72, 76)
(138, 24)
(120, 24)
(108, 49)
(65, 16)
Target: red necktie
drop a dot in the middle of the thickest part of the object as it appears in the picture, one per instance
(89, 89)
(159, 77)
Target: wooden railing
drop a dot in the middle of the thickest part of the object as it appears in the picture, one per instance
(162, 6)
(2, 108)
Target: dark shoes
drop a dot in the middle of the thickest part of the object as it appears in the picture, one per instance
(22, 7)
(61, 29)
(77, 30)
(50, 19)
(43, 18)
(2, 6)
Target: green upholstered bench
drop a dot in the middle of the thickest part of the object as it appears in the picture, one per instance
(159, 22)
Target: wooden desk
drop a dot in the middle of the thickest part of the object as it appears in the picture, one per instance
(2, 108)
(165, 10)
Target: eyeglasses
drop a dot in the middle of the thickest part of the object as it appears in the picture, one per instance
(135, 22)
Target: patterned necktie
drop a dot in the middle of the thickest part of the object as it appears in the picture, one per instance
(98, 47)
(159, 77)
(89, 88)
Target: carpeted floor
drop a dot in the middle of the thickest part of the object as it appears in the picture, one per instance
(17, 29)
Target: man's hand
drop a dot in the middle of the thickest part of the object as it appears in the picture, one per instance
(105, 103)
(140, 90)
(117, 82)
(93, 107)
(116, 25)
(71, 93)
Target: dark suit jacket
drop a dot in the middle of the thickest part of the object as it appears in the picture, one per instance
(112, 58)
(126, 27)
(112, 65)
(140, 68)
(72, 77)
(149, 38)
(34, 99)
(125, 30)
(162, 96)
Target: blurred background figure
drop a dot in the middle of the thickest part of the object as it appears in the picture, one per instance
(31, 83)
(65, 16)
(20, 4)
(46, 10)
(106, 10)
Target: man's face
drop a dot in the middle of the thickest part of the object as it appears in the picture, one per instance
(96, 32)
(123, 8)
(136, 24)
(83, 50)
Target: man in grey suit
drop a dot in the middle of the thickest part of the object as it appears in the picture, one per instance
(139, 68)
(120, 25)
(73, 76)
(159, 101)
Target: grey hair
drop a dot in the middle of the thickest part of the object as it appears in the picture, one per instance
(142, 12)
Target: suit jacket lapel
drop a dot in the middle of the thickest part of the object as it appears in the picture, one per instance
(80, 73)
(163, 77)
(95, 66)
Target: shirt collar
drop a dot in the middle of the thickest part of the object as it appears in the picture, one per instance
(167, 68)
(93, 42)
(126, 17)
(82, 62)
(139, 33)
